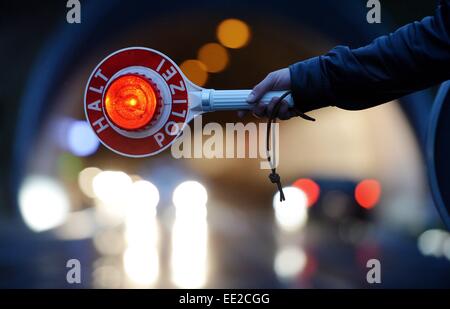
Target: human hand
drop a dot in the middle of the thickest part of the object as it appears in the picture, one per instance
(277, 80)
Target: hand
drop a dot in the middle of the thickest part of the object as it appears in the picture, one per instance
(277, 80)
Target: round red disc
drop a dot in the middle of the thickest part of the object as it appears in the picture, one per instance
(134, 111)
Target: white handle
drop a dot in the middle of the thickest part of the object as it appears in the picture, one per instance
(227, 100)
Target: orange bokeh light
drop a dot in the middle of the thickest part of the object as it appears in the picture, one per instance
(368, 193)
(233, 33)
(310, 188)
(195, 70)
(130, 102)
(214, 56)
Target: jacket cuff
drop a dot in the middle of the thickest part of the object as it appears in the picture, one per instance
(309, 86)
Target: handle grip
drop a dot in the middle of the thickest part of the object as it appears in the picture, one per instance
(228, 100)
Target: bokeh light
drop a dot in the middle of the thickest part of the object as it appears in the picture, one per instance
(43, 203)
(291, 214)
(214, 56)
(141, 265)
(112, 191)
(431, 242)
(144, 193)
(290, 262)
(85, 179)
(112, 187)
(310, 188)
(81, 140)
(141, 213)
(106, 275)
(368, 193)
(190, 199)
(109, 242)
(141, 257)
(195, 71)
(190, 236)
(233, 33)
(78, 225)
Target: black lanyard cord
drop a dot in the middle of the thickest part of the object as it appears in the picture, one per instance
(274, 176)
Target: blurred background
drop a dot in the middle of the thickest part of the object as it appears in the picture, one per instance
(357, 185)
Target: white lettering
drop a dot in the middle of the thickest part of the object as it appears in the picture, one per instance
(169, 73)
(173, 87)
(100, 74)
(95, 106)
(160, 65)
(159, 137)
(96, 90)
(102, 124)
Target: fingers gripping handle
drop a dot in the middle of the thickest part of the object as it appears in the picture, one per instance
(227, 100)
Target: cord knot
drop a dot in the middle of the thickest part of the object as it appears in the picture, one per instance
(274, 178)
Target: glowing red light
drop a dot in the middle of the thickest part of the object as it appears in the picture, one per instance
(310, 188)
(130, 102)
(368, 193)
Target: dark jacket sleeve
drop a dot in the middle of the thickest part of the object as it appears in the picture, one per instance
(414, 57)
